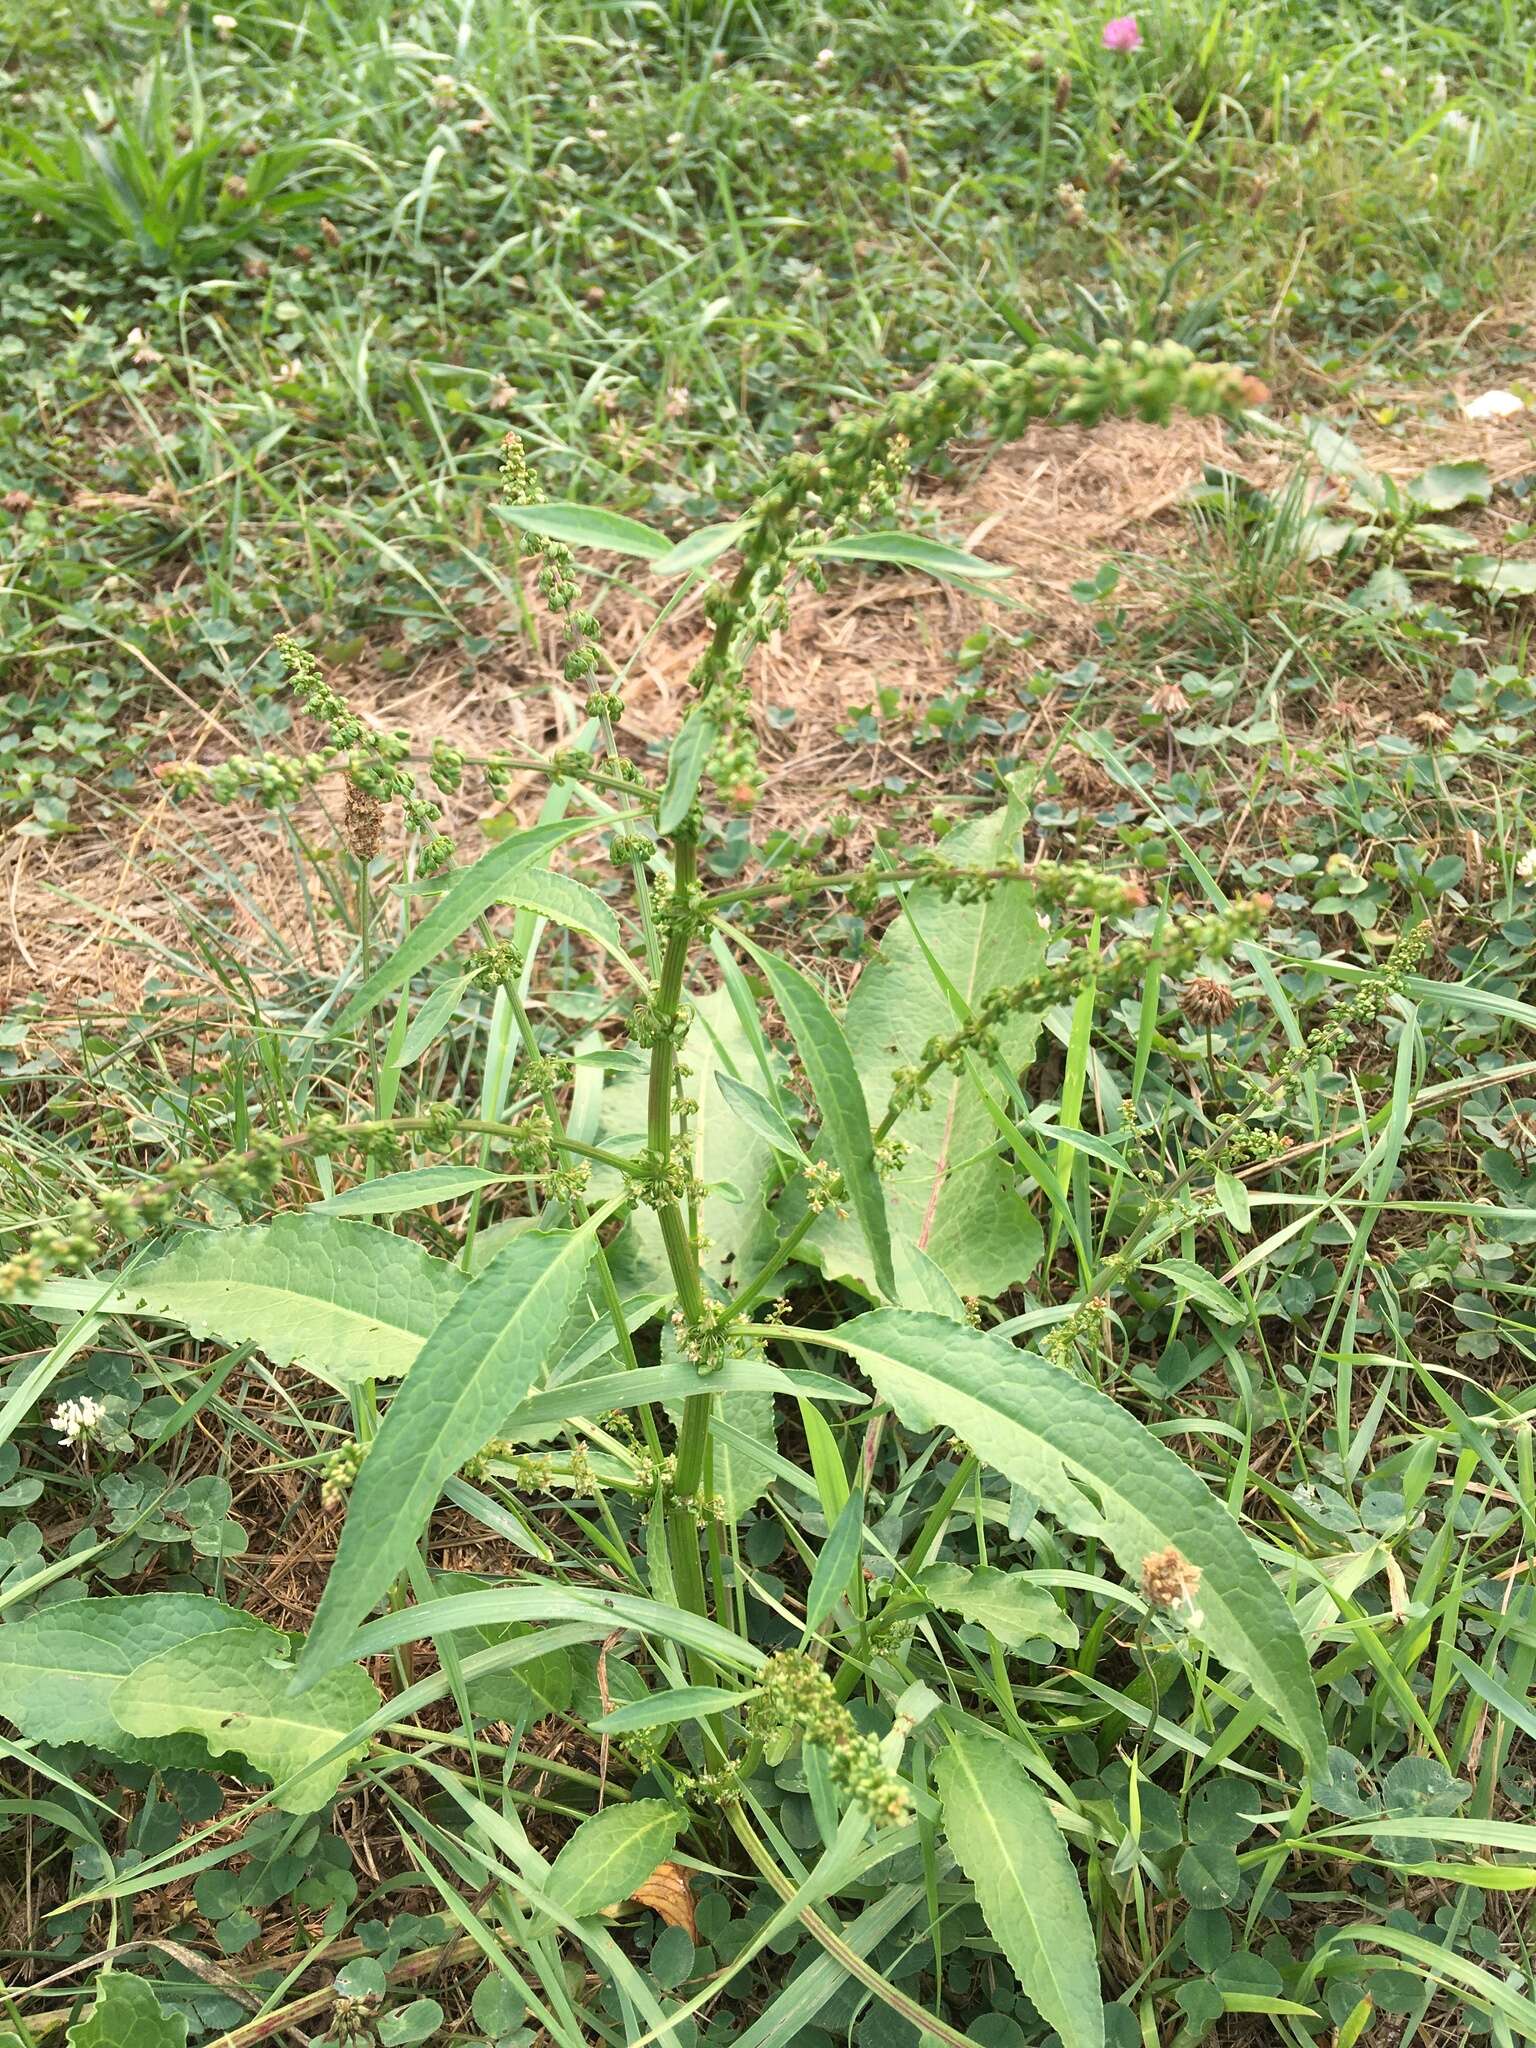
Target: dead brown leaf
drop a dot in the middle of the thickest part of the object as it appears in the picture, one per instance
(668, 1892)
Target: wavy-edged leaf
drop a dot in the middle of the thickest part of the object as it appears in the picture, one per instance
(1101, 1473)
(479, 1362)
(953, 1195)
(829, 1064)
(1006, 1842)
(61, 1664)
(1445, 485)
(469, 893)
(432, 1019)
(1498, 578)
(611, 1854)
(233, 1689)
(564, 900)
(396, 1194)
(1006, 1604)
(345, 1300)
(125, 2013)
(588, 526)
(756, 1111)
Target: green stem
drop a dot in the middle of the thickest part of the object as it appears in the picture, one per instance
(784, 1251)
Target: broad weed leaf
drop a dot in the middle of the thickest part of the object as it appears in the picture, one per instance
(588, 526)
(469, 893)
(479, 1362)
(612, 1854)
(343, 1299)
(232, 1689)
(1006, 1842)
(953, 1196)
(125, 2013)
(61, 1665)
(829, 1064)
(1097, 1469)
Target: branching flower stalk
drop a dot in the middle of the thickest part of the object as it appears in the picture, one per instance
(811, 498)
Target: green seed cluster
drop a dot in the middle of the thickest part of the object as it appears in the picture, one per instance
(250, 1179)
(268, 779)
(711, 1338)
(650, 1020)
(655, 1179)
(1175, 950)
(496, 966)
(534, 1474)
(852, 479)
(798, 1698)
(558, 586)
(1344, 1027)
(375, 760)
(825, 1187)
(339, 1473)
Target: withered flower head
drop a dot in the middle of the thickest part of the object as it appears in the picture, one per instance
(362, 826)
(1169, 1580)
(1205, 1000)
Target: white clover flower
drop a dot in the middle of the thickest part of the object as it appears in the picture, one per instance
(1525, 866)
(825, 59)
(1439, 89)
(224, 26)
(75, 1419)
(1493, 405)
(1456, 121)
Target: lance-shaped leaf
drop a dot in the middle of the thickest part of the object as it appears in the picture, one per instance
(234, 1690)
(479, 1362)
(1101, 1473)
(471, 891)
(590, 526)
(345, 1300)
(1006, 1842)
(834, 1078)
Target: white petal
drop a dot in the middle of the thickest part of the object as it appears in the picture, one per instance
(1493, 405)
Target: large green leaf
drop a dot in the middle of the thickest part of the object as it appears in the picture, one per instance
(234, 1690)
(612, 1854)
(953, 1197)
(125, 2013)
(732, 1158)
(589, 526)
(60, 1665)
(469, 893)
(345, 1300)
(830, 1065)
(1006, 1842)
(1096, 1468)
(1445, 485)
(479, 1362)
